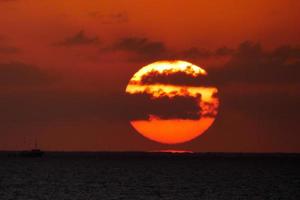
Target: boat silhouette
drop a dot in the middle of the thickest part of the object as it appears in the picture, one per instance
(35, 152)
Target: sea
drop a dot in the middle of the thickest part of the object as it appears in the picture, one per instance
(140, 175)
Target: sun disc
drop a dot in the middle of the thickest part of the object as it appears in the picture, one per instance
(171, 101)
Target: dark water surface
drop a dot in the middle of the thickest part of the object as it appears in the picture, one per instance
(149, 177)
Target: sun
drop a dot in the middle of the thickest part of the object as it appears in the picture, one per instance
(172, 101)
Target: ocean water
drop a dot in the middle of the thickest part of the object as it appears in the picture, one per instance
(148, 177)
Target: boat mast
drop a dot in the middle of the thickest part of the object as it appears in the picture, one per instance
(35, 143)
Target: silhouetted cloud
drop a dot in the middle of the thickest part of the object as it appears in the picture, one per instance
(144, 48)
(286, 52)
(265, 106)
(224, 51)
(79, 38)
(141, 105)
(48, 106)
(8, 49)
(251, 64)
(174, 78)
(17, 73)
(241, 82)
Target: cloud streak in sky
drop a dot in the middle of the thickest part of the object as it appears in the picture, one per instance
(21, 74)
(251, 64)
(147, 50)
(78, 39)
(141, 46)
(174, 78)
(142, 105)
(9, 49)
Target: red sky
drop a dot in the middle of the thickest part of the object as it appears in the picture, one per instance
(64, 66)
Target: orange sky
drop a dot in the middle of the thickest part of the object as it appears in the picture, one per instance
(78, 53)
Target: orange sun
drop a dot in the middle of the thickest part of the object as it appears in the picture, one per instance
(173, 103)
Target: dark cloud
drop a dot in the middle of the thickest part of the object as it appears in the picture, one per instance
(21, 74)
(141, 105)
(148, 50)
(79, 39)
(286, 52)
(174, 78)
(211, 110)
(251, 64)
(143, 47)
(269, 105)
(248, 53)
(8, 49)
(270, 112)
(44, 106)
(224, 51)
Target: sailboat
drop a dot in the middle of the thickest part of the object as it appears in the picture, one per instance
(35, 152)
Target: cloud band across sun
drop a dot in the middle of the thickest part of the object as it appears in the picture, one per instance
(171, 92)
